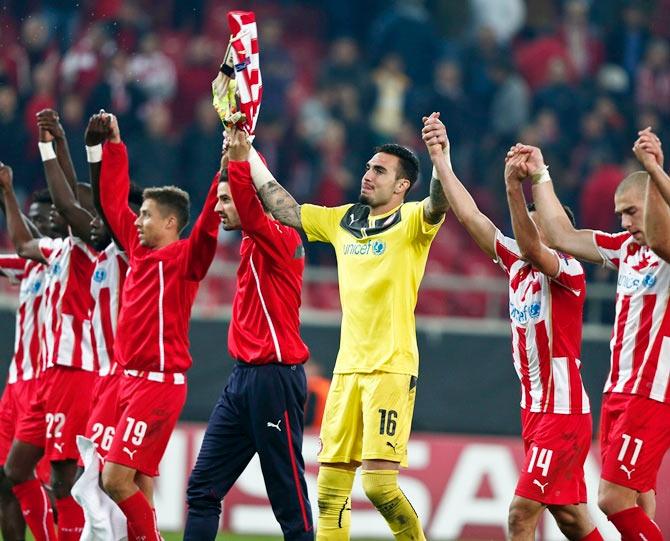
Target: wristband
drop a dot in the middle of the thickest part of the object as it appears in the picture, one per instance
(94, 153)
(541, 176)
(47, 151)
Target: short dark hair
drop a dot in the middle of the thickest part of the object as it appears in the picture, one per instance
(42, 196)
(566, 208)
(173, 198)
(409, 163)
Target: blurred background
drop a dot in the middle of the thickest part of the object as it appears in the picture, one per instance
(578, 78)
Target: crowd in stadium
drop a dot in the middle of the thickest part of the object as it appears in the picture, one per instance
(577, 78)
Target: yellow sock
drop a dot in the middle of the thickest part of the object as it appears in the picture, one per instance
(334, 497)
(381, 488)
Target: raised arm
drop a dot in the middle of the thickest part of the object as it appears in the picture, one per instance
(526, 234)
(62, 190)
(276, 199)
(479, 227)
(558, 229)
(271, 239)
(436, 204)
(25, 244)
(648, 151)
(48, 119)
(29, 224)
(115, 186)
(94, 137)
(202, 241)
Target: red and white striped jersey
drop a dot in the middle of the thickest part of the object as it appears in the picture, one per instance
(67, 303)
(640, 344)
(546, 317)
(31, 275)
(107, 281)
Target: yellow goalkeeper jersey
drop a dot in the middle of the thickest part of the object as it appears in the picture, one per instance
(380, 264)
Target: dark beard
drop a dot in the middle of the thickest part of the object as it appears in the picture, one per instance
(364, 199)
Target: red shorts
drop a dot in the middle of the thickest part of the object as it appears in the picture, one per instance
(58, 412)
(104, 413)
(14, 404)
(149, 413)
(634, 436)
(556, 446)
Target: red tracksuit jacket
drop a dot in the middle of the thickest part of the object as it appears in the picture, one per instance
(265, 326)
(158, 294)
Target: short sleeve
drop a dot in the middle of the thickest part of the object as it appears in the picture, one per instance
(13, 267)
(49, 247)
(506, 250)
(609, 246)
(321, 223)
(418, 227)
(570, 274)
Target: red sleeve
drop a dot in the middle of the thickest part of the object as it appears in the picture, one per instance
(507, 251)
(272, 238)
(570, 274)
(201, 244)
(114, 188)
(12, 266)
(610, 246)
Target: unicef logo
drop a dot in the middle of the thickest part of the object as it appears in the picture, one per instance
(378, 247)
(55, 269)
(37, 286)
(534, 310)
(99, 275)
(649, 280)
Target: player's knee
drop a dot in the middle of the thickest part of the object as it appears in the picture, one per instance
(379, 490)
(17, 474)
(521, 516)
(571, 523)
(202, 498)
(613, 498)
(5, 486)
(113, 484)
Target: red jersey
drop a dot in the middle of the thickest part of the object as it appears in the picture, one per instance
(640, 344)
(546, 317)
(109, 275)
(26, 361)
(265, 326)
(152, 331)
(67, 303)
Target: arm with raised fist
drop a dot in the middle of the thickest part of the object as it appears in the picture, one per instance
(558, 228)
(457, 197)
(24, 243)
(648, 151)
(63, 190)
(434, 134)
(526, 234)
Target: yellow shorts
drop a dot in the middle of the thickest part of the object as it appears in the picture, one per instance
(368, 416)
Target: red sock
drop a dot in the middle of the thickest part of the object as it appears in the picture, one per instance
(593, 536)
(140, 516)
(635, 525)
(36, 509)
(70, 519)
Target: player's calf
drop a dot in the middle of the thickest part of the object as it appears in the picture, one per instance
(381, 488)
(575, 523)
(334, 498)
(12, 525)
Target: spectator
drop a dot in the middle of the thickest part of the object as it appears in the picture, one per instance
(154, 71)
(653, 78)
(154, 151)
(510, 107)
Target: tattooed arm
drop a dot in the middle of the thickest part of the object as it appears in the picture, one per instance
(280, 204)
(437, 204)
